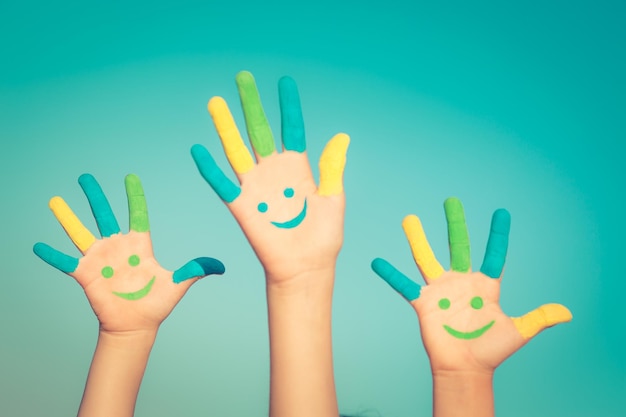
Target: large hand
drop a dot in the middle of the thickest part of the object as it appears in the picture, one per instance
(126, 287)
(462, 325)
(293, 226)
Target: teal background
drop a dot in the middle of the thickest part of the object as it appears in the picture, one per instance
(502, 105)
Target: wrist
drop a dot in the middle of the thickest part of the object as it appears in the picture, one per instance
(134, 340)
(463, 393)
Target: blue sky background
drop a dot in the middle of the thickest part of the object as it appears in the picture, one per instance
(518, 106)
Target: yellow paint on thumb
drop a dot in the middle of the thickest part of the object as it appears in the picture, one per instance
(332, 164)
(545, 316)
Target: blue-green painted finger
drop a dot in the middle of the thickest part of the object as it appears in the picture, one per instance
(209, 170)
(396, 279)
(257, 125)
(137, 206)
(497, 244)
(53, 257)
(100, 207)
(292, 122)
(198, 267)
(458, 238)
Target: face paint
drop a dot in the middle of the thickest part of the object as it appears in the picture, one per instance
(476, 303)
(133, 260)
(289, 224)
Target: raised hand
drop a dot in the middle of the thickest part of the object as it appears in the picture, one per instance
(293, 225)
(462, 324)
(126, 287)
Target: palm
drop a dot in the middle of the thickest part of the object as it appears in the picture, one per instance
(462, 324)
(125, 285)
(291, 224)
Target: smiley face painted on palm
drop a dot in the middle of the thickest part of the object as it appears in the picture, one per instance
(475, 303)
(288, 193)
(108, 272)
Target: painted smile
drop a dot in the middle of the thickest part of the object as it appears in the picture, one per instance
(468, 335)
(137, 294)
(290, 224)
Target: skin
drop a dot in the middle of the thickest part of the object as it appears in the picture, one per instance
(298, 249)
(130, 304)
(470, 336)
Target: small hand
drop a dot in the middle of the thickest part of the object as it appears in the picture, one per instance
(126, 287)
(293, 225)
(463, 326)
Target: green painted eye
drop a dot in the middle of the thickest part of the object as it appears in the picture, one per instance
(477, 303)
(444, 304)
(107, 272)
(262, 207)
(133, 260)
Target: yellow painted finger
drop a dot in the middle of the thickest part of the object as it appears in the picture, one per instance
(234, 147)
(422, 252)
(332, 164)
(545, 316)
(79, 234)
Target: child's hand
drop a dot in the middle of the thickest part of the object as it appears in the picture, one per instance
(462, 325)
(126, 287)
(293, 226)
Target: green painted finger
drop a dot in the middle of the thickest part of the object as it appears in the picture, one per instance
(497, 244)
(458, 238)
(257, 125)
(137, 206)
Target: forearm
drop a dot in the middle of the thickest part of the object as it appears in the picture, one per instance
(302, 382)
(115, 374)
(463, 394)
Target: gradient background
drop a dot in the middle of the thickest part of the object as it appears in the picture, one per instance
(517, 106)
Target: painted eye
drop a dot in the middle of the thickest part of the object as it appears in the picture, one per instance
(133, 260)
(444, 304)
(477, 303)
(262, 207)
(107, 272)
(288, 192)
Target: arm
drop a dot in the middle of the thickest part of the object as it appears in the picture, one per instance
(465, 332)
(296, 230)
(130, 293)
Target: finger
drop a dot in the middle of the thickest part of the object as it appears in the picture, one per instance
(77, 232)
(396, 279)
(53, 257)
(100, 207)
(223, 187)
(423, 254)
(292, 122)
(198, 267)
(458, 238)
(541, 318)
(257, 125)
(497, 244)
(332, 164)
(137, 206)
(236, 152)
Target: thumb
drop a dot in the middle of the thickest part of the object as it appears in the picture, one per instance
(541, 318)
(199, 267)
(332, 163)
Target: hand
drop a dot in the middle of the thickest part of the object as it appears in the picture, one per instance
(293, 226)
(126, 287)
(462, 325)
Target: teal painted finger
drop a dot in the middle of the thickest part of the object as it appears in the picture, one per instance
(223, 187)
(100, 207)
(257, 125)
(458, 238)
(137, 206)
(53, 257)
(396, 279)
(497, 244)
(198, 267)
(292, 122)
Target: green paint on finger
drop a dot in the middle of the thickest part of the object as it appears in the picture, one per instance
(137, 206)
(257, 125)
(458, 237)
